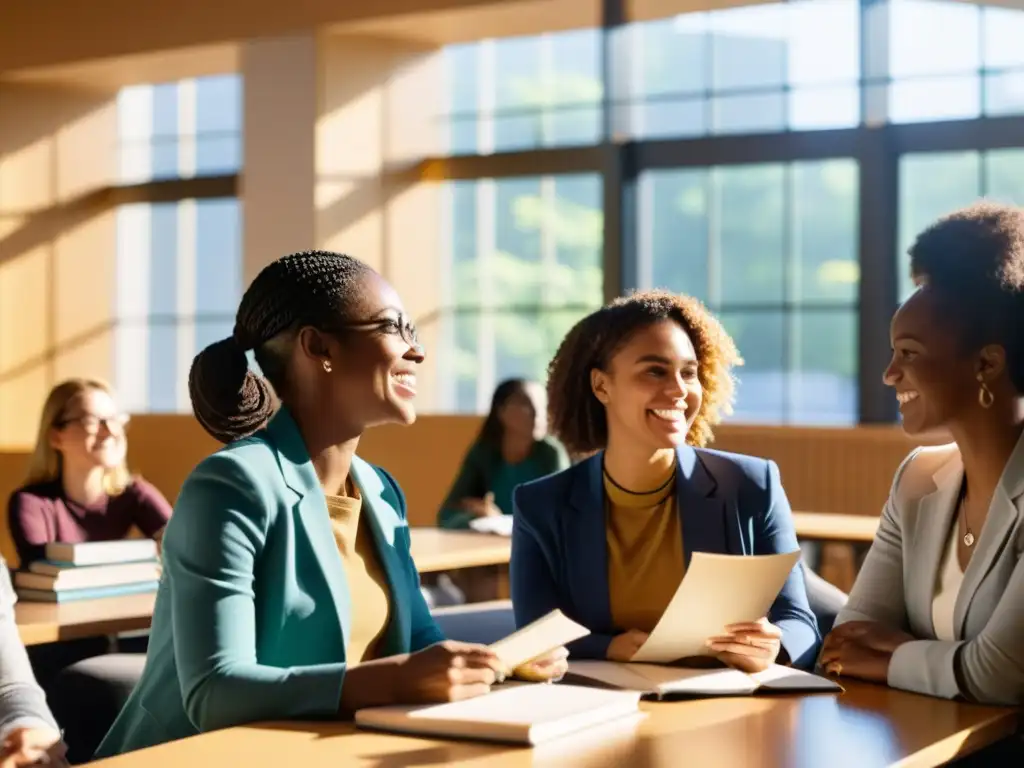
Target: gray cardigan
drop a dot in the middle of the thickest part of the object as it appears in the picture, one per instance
(896, 585)
(22, 702)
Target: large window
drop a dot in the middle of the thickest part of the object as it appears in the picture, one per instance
(179, 269)
(773, 250)
(953, 60)
(756, 69)
(937, 183)
(524, 92)
(180, 129)
(525, 266)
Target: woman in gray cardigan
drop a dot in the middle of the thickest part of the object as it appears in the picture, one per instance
(938, 607)
(28, 733)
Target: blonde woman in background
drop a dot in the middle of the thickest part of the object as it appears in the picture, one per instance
(78, 487)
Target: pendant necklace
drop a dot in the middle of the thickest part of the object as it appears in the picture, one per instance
(969, 535)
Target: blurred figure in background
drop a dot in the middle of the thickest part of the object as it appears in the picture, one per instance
(78, 487)
(512, 448)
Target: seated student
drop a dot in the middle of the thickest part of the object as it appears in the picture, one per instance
(511, 449)
(938, 606)
(289, 591)
(78, 487)
(28, 732)
(641, 382)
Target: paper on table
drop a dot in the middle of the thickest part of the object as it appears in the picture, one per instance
(499, 525)
(542, 636)
(716, 591)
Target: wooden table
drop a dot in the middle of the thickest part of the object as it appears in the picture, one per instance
(49, 622)
(433, 549)
(825, 526)
(867, 726)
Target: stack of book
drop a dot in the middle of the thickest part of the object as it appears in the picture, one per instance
(91, 570)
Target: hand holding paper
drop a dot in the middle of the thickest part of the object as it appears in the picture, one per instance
(542, 637)
(716, 592)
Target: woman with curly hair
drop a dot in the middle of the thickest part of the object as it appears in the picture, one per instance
(938, 607)
(640, 384)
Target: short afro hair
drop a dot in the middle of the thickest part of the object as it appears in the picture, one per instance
(578, 418)
(973, 260)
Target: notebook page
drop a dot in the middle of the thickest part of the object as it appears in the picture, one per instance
(780, 678)
(525, 705)
(536, 639)
(716, 591)
(664, 680)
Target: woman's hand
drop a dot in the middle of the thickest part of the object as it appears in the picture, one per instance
(484, 507)
(445, 671)
(624, 647)
(861, 649)
(33, 746)
(749, 647)
(551, 667)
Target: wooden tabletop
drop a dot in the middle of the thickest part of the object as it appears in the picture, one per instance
(433, 549)
(436, 549)
(825, 526)
(866, 726)
(49, 622)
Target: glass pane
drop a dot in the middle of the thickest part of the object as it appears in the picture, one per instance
(748, 47)
(162, 379)
(749, 211)
(824, 216)
(164, 158)
(824, 41)
(463, 356)
(163, 259)
(1004, 175)
(823, 385)
(525, 342)
(218, 154)
(219, 104)
(761, 389)
(944, 98)
(932, 185)
(755, 113)
(818, 108)
(665, 118)
(218, 271)
(671, 56)
(165, 109)
(930, 37)
(1004, 93)
(209, 331)
(674, 231)
(1003, 30)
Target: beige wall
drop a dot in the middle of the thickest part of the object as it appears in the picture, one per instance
(57, 244)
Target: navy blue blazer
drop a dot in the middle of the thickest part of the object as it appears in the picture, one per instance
(729, 504)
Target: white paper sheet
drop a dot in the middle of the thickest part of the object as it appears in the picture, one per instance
(498, 525)
(716, 591)
(542, 636)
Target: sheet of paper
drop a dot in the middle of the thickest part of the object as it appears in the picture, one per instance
(499, 525)
(716, 591)
(542, 636)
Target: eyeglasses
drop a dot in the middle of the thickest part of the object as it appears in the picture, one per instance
(92, 424)
(400, 326)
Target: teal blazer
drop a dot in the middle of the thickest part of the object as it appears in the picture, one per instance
(253, 607)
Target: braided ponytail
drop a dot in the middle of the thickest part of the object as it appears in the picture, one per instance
(312, 288)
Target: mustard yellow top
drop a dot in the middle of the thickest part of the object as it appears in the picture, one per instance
(368, 586)
(645, 552)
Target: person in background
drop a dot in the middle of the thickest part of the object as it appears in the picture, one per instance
(938, 606)
(28, 733)
(289, 590)
(640, 384)
(78, 487)
(512, 448)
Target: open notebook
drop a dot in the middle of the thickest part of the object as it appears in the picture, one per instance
(519, 713)
(660, 681)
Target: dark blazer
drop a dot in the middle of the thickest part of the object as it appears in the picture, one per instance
(729, 504)
(254, 607)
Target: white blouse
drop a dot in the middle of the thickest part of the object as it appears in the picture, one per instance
(947, 587)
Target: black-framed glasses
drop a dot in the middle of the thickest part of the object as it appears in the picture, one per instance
(92, 423)
(400, 326)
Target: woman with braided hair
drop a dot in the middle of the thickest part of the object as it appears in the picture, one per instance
(289, 591)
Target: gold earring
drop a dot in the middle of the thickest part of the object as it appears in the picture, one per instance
(327, 366)
(985, 396)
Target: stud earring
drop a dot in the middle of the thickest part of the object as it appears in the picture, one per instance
(327, 366)
(985, 396)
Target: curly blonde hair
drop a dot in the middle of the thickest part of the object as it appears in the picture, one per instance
(578, 418)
